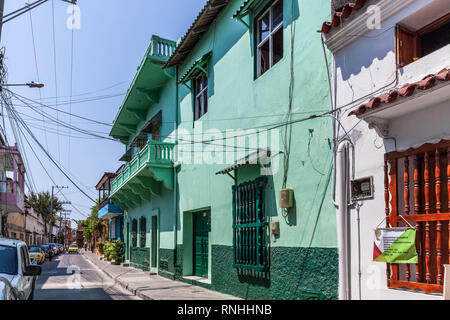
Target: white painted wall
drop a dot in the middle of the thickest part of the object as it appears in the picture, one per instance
(367, 67)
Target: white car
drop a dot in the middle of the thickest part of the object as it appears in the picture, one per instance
(16, 268)
(7, 292)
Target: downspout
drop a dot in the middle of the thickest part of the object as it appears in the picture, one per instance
(342, 218)
(175, 178)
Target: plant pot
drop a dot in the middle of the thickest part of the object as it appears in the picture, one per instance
(116, 262)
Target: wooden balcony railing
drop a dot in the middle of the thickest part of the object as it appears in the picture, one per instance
(417, 188)
(153, 153)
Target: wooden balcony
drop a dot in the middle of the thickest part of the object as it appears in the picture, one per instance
(144, 176)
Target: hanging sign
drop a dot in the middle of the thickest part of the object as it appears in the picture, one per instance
(395, 245)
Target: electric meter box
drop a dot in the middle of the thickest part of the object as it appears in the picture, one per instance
(362, 189)
(286, 198)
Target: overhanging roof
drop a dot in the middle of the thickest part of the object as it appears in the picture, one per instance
(245, 8)
(104, 179)
(200, 26)
(199, 64)
(259, 157)
(144, 90)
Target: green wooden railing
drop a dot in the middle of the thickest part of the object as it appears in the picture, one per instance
(162, 48)
(154, 153)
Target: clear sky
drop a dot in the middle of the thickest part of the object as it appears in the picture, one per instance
(107, 49)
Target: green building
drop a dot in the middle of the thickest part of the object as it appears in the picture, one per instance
(228, 174)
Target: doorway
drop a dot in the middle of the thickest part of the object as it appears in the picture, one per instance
(201, 228)
(154, 241)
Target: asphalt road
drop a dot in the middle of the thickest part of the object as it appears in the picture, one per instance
(71, 277)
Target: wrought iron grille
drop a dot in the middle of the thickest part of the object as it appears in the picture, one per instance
(250, 226)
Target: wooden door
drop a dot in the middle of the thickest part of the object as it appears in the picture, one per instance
(201, 244)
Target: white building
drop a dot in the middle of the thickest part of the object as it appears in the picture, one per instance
(391, 89)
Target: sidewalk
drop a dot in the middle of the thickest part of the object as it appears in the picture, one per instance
(152, 287)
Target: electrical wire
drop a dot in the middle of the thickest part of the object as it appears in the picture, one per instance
(49, 155)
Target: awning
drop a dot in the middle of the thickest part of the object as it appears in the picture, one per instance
(245, 8)
(260, 157)
(199, 65)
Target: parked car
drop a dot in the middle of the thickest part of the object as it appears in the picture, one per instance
(73, 248)
(60, 247)
(7, 291)
(16, 267)
(36, 253)
(47, 250)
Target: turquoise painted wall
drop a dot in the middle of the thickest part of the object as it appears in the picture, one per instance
(236, 100)
(239, 101)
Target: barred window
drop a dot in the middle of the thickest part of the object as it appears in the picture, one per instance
(250, 226)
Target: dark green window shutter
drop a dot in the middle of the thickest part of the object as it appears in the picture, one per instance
(250, 226)
(143, 232)
(134, 233)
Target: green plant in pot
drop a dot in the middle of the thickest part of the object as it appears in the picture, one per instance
(117, 251)
(107, 250)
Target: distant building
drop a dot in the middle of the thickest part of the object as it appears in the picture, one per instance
(80, 237)
(34, 226)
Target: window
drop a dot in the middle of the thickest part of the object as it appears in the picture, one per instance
(8, 260)
(25, 260)
(250, 226)
(417, 190)
(269, 37)
(201, 95)
(143, 232)
(415, 44)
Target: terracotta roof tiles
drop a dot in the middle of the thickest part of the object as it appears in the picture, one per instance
(346, 12)
(406, 91)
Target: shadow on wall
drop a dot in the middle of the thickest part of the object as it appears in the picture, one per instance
(253, 278)
(364, 53)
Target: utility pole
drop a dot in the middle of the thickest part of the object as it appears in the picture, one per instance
(2, 10)
(65, 223)
(51, 200)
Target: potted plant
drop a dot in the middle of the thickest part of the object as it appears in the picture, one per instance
(107, 250)
(117, 251)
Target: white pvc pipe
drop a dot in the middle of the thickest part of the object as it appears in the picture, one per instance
(342, 219)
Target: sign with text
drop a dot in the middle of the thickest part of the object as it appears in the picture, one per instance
(395, 245)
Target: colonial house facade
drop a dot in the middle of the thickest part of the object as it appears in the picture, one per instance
(109, 212)
(34, 227)
(227, 181)
(391, 90)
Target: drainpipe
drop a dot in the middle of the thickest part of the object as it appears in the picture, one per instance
(175, 178)
(342, 219)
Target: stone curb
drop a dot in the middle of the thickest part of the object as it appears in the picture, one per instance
(121, 283)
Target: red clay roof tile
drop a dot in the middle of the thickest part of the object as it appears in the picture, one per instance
(338, 16)
(406, 91)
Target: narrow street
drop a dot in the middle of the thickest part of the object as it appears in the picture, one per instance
(71, 277)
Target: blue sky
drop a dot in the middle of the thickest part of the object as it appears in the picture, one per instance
(113, 38)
